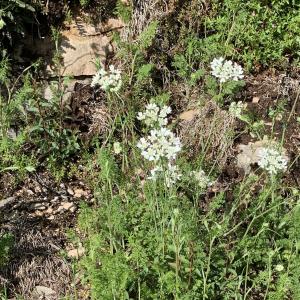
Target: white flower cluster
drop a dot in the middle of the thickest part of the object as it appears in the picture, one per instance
(171, 173)
(272, 161)
(201, 179)
(154, 115)
(236, 109)
(159, 145)
(109, 81)
(226, 70)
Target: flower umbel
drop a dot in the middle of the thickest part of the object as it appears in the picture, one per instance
(272, 161)
(226, 70)
(202, 180)
(236, 109)
(171, 174)
(161, 144)
(154, 115)
(109, 81)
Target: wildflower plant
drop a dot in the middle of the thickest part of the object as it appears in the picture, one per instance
(272, 161)
(155, 115)
(201, 179)
(236, 109)
(226, 70)
(109, 81)
(226, 80)
(160, 146)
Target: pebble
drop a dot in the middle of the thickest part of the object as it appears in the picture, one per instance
(70, 191)
(38, 206)
(30, 192)
(6, 201)
(55, 199)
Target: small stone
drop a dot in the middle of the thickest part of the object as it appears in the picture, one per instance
(38, 213)
(55, 199)
(65, 206)
(50, 218)
(30, 192)
(6, 201)
(76, 253)
(37, 189)
(255, 99)
(79, 193)
(72, 209)
(70, 191)
(49, 210)
(44, 291)
(38, 206)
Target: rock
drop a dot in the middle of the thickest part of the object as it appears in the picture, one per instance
(188, 115)
(65, 206)
(49, 210)
(37, 189)
(255, 99)
(55, 199)
(70, 191)
(72, 209)
(78, 193)
(80, 45)
(7, 201)
(68, 89)
(45, 291)
(38, 206)
(112, 24)
(76, 253)
(30, 192)
(62, 186)
(12, 133)
(38, 213)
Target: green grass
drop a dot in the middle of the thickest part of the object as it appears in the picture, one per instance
(237, 239)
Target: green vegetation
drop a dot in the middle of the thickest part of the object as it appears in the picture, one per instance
(204, 234)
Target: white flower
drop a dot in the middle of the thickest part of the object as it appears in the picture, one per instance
(95, 80)
(226, 70)
(171, 174)
(272, 161)
(279, 268)
(237, 72)
(154, 115)
(109, 81)
(236, 109)
(159, 145)
(117, 148)
(154, 173)
(201, 179)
